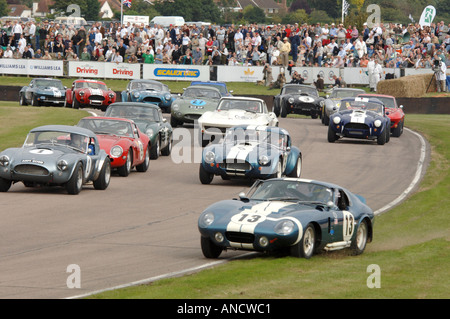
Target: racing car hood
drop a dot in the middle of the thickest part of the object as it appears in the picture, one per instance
(232, 118)
(245, 151)
(358, 116)
(225, 210)
(52, 91)
(304, 98)
(108, 141)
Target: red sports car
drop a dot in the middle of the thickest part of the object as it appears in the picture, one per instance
(393, 111)
(90, 93)
(122, 140)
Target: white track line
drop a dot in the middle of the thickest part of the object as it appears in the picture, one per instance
(420, 167)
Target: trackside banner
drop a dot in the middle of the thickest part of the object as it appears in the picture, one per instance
(88, 69)
(31, 67)
(176, 72)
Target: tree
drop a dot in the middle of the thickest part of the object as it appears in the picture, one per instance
(300, 4)
(254, 14)
(190, 10)
(3, 8)
(89, 9)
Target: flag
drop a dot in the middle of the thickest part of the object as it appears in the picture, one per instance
(127, 3)
(427, 16)
(345, 6)
(411, 18)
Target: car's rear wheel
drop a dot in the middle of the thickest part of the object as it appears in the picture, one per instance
(305, 248)
(144, 166)
(75, 183)
(5, 184)
(102, 182)
(125, 169)
(209, 249)
(359, 243)
(205, 177)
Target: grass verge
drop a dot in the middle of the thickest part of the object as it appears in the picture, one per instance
(411, 242)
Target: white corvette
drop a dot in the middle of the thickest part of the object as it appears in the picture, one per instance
(232, 111)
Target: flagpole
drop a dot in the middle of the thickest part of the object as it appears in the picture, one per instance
(343, 4)
(121, 13)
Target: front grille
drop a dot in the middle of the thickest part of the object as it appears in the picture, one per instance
(235, 166)
(31, 170)
(238, 237)
(97, 98)
(356, 126)
(151, 99)
(222, 129)
(192, 117)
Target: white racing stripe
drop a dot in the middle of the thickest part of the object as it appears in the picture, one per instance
(358, 117)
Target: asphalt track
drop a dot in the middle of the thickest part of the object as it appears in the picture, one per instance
(145, 225)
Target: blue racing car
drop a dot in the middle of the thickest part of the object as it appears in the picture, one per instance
(294, 215)
(362, 118)
(148, 91)
(251, 152)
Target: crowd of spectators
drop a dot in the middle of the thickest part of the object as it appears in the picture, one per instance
(321, 45)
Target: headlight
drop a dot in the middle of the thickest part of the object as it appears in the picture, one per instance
(336, 120)
(149, 132)
(111, 95)
(175, 107)
(377, 123)
(136, 94)
(167, 96)
(4, 160)
(206, 219)
(291, 100)
(284, 227)
(209, 157)
(116, 151)
(62, 165)
(81, 93)
(263, 160)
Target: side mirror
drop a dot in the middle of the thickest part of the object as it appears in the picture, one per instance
(330, 204)
(242, 197)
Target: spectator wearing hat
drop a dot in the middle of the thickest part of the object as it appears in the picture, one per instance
(8, 54)
(285, 49)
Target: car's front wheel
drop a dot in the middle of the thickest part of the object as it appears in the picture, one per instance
(102, 182)
(125, 169)
(381, 139)
(168, 149)
(332, 137)
(209, 249)
(155, 149)
(305, 248)
(205, 177)
(297, 171)
(5, 184)
(396, 132)
(22, 100)
(75, 182)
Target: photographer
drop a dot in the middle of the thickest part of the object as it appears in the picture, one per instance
(440, 70)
